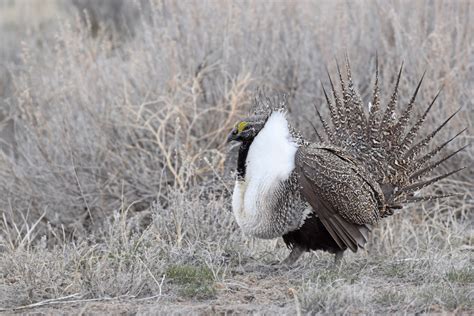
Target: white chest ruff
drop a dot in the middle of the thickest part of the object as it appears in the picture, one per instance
(270, 162)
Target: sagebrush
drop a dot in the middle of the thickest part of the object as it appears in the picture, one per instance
(115, 170)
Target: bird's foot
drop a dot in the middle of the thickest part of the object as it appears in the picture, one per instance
(294, 255)
(338, 258)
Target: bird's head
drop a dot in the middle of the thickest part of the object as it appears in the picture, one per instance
(247, 129)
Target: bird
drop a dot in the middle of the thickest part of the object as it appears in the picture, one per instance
(329, 194)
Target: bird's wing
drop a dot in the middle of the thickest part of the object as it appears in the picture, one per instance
(345, 198)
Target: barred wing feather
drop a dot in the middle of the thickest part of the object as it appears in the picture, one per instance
(346, 200)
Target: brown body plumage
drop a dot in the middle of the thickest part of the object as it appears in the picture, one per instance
(344, 197)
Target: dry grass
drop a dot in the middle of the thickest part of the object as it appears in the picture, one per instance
(113, 173)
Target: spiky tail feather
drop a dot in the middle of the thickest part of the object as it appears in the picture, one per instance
(382, 144)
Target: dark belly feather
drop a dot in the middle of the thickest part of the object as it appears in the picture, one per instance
(312, 235)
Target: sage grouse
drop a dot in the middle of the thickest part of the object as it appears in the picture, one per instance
(327, 195)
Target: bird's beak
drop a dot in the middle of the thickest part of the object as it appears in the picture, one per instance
(232, 135)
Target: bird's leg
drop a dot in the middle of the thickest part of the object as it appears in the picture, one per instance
(294, 255)
(338, 258)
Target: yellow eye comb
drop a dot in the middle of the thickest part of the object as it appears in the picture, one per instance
(241, 126)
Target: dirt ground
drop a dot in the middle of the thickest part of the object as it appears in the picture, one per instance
(362, 284)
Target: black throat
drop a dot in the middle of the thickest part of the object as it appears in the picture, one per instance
(241, 160)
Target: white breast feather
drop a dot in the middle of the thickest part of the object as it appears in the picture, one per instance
(270, 160)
